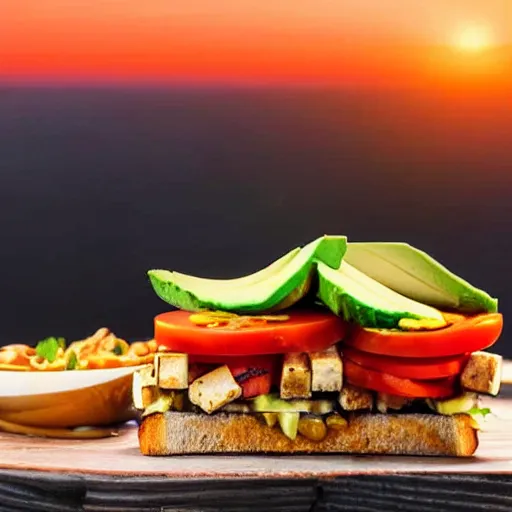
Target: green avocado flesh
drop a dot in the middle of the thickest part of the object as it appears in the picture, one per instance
(277, 286)
(272, 403)
(349, 293)
(415, 274)
(289, 423)
(457, 405)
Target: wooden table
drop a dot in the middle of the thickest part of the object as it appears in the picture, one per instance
(110, 475)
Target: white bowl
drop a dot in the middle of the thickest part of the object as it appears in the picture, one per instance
(67, 398)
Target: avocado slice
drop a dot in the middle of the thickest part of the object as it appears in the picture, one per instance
(415, 274)
(356, 297)
(249, 280)
(271, 403)
(165, 402)
(457, 405)
(277, 286)
(289, 423)
(270, 418)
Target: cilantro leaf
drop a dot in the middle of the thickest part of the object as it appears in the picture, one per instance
(476, 410)
(48, 348)
(72, 361)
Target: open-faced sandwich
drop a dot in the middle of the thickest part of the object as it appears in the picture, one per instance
(336, 347)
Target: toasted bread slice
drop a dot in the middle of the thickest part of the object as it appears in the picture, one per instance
(175, 433)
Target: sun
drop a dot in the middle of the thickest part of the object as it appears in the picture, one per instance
(474, 39)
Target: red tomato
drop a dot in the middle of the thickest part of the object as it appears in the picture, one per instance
(235, 361)
(465, 335)
(239, 365)
(410, 368)
(305, 331)
(254, 383)
(255, 386)
(385, 383)
(254, 374)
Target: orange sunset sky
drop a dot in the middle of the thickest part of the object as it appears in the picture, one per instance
(256, 40)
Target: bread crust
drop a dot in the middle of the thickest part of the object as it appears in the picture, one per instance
(153, 434)
(177, 433)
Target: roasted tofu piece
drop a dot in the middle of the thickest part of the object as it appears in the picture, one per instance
(214, 390)
(384, 401)
(171, 370)
(482, 373)
(327, 370)
(352, 398)
(295, 376)
(144, 387)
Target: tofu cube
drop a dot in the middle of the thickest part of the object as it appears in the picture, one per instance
(352, 398)
(295, 376)
(327, 370)
(171, 370)
(385, 401)
(149, 395)
(144, 388)
(214, 390)
(482, 373)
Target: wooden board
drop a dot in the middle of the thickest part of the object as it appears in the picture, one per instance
(364, 493)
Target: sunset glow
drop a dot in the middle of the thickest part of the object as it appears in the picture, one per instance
(475, 39)
(293, 41)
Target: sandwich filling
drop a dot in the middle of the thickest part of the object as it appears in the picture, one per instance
(328, 331)
(308, 393)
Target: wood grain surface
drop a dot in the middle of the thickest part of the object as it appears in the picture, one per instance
(111, 475)
(414, 492)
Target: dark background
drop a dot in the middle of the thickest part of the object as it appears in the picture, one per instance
(97, 185)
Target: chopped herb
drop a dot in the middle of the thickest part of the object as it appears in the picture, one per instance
(48, 348)
(118, 350)
(477, 416)
(475, 410)
(72, 361)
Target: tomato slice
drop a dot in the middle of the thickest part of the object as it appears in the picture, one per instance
(408, 367)
(255, 374)
(304, 331)
(255, 386)
(465, 335)
(385, 383)
(238, 365)
(253, 381)
(234, 361)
